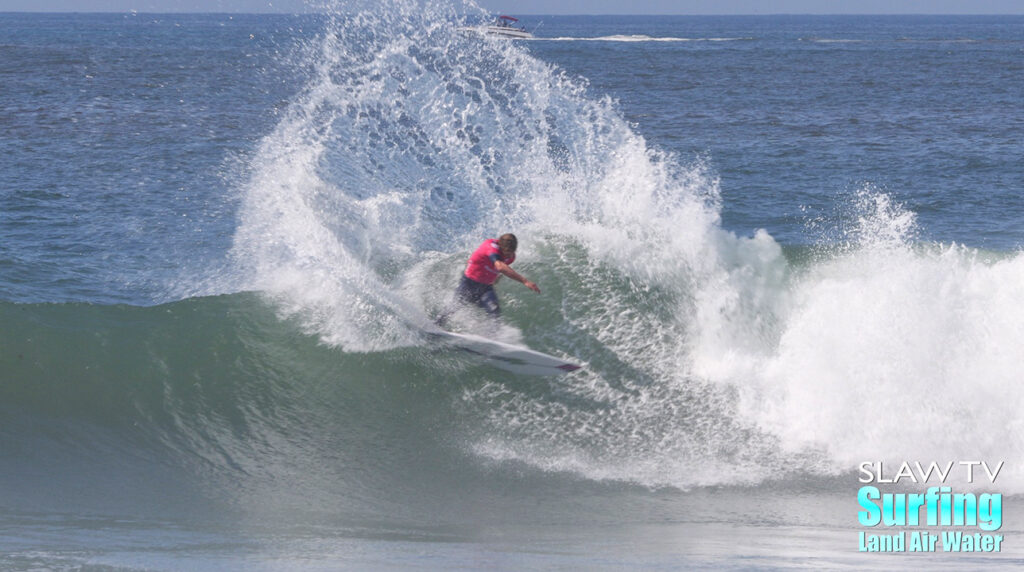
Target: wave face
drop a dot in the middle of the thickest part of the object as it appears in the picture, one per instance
(712, 359)
(207, 409)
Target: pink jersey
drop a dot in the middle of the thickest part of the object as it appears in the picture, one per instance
(481, 263)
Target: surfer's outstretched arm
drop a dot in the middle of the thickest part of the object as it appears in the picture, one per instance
(507, 271)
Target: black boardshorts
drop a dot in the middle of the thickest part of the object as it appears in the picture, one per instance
(472, 292)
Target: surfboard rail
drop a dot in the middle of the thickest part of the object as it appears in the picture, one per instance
(508, 357)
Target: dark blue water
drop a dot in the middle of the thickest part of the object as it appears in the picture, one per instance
(781, 245)
(120, 141)
(794, 113)
(122, 133)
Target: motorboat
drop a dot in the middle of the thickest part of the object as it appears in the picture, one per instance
(503, 26)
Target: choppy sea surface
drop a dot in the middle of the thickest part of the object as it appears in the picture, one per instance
(782, 245)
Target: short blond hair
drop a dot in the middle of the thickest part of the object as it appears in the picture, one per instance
(508, 242)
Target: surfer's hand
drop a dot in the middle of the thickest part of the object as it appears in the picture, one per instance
(531, 286)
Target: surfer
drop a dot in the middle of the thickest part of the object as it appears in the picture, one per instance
(488, 262)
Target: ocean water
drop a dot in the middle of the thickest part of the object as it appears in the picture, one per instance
(783, 246)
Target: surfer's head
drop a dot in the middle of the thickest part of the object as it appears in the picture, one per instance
(508, 243)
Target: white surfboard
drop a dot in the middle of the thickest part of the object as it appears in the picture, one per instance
(509, 357)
